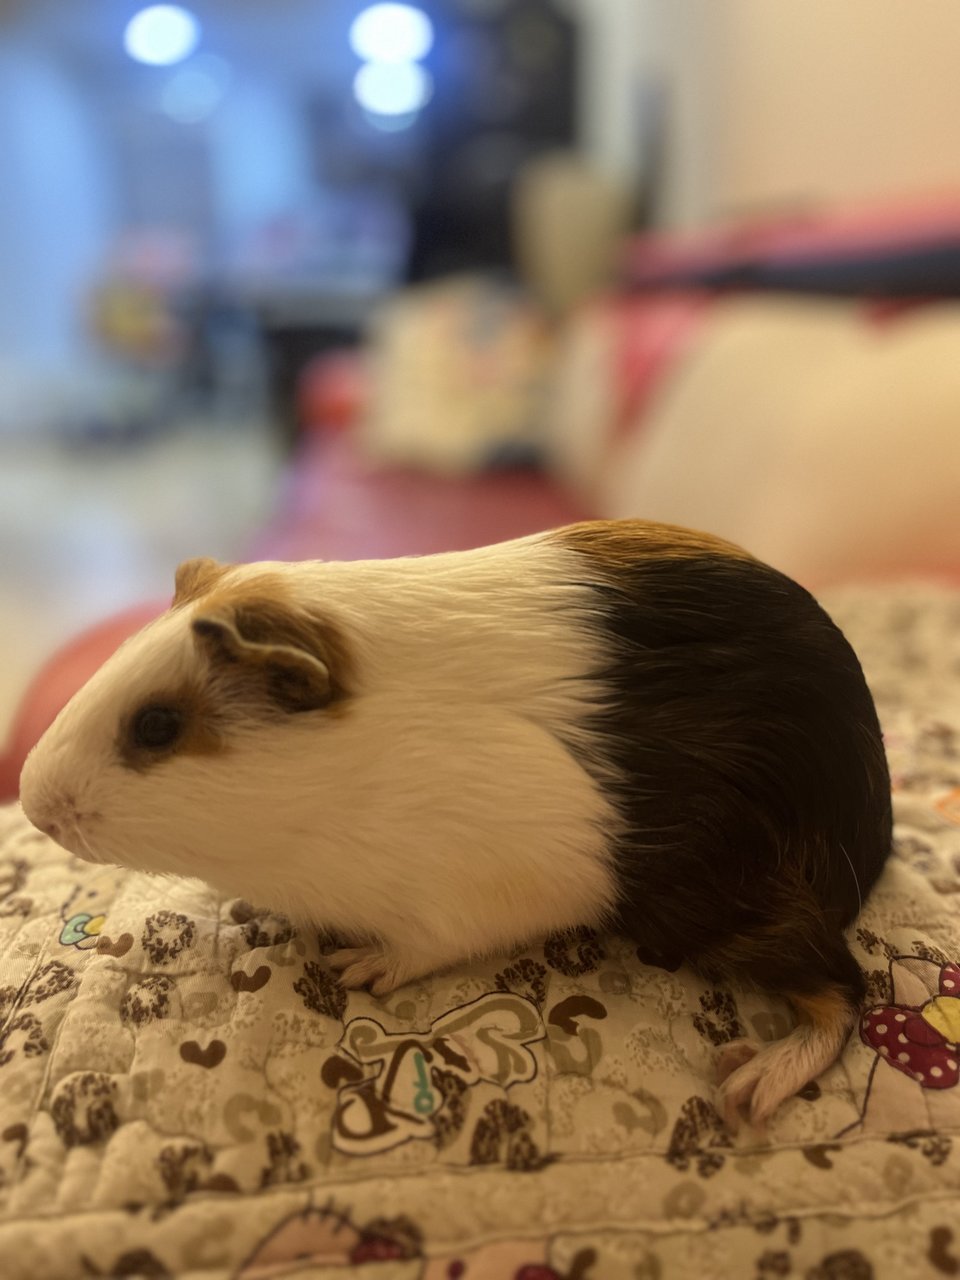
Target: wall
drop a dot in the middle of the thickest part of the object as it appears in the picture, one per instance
(780, 104)
(839, 100)
(650, 91)
(611, 60)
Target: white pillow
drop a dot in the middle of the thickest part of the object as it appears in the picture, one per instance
(826, 445)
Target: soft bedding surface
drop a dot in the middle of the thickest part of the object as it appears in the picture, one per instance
(185, 1090)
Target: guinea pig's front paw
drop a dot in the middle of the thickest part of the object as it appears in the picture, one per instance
(356, 966)
(372, 966)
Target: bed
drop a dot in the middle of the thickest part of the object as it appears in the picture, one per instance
(185, 1089)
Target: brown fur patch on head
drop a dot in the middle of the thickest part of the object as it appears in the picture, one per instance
(618, 544)
(202, 732)
(267, 655)
(257, 625)
(195, 578)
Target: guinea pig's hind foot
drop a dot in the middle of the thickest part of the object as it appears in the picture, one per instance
(757, 1079)
(377, 966)
(732, 1056)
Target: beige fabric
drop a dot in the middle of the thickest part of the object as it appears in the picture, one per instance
(185, 1089)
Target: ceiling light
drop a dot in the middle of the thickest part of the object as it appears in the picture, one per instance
(391, 33)
(161, 35)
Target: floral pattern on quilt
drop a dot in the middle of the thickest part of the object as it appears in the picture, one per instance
(186, 1090)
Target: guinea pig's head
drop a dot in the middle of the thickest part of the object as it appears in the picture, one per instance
(179, 747)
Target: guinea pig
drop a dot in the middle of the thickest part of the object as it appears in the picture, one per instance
(618, 724)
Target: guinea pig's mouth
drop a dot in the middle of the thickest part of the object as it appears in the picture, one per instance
(68, 832)
(59, 812)
(78, 844)
(74, 840)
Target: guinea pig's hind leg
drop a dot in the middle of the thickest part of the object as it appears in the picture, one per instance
(775, 1072)
(822, 981)
(734, 1055)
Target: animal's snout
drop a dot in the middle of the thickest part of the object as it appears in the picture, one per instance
(48, 808)
(48, 814)
(58, 817)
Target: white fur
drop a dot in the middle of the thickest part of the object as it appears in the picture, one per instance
(440, 815)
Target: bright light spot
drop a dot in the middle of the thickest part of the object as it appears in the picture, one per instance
(193, 93)
(392, 88)
(391, 33)
(161, 35)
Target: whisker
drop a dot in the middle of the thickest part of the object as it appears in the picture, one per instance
(856, 881)
(86, 844)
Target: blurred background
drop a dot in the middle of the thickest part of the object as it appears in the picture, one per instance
(331, 278)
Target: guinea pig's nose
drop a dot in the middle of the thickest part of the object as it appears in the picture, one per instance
(43, 810)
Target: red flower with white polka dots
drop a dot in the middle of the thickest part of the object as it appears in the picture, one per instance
(922, 1041)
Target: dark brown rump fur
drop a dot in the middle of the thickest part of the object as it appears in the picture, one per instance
(752, 772)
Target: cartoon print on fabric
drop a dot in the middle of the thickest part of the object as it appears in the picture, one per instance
(916, 1037)
(135, 1262)
(328, 1237)
(396, 1086)
(697, 1135)
(921, 1042)
(83, 914)
(508, 1260)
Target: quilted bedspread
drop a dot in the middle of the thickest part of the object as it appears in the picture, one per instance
(185, 1089)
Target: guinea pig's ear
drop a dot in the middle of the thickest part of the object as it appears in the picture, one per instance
(195, 578)
(271, 645)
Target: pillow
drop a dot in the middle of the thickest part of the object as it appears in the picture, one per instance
(823, 444)
(612, 362)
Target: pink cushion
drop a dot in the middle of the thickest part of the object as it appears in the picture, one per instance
(340, 507)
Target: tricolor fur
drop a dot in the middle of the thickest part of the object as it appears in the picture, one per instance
(616, 724)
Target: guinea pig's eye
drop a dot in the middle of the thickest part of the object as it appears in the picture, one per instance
(156, 728)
